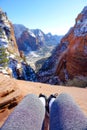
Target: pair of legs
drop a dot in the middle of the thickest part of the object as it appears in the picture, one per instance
(30, 113)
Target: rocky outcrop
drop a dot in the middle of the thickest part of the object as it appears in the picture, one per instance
(22, 71)
(8, 46)
(7, 38)
(73, 60)
(10, 95)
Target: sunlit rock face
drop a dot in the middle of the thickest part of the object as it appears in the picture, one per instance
(7, 38)
(26, 40)
(73, 60)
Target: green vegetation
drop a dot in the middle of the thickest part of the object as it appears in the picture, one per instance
(3, 57)
(39, 63)
(79, 81)
(1, 33)
(0, 16)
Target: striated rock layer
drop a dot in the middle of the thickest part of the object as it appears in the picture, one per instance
(73, 60)
(10, 96)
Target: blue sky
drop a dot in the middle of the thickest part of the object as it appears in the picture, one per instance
(55, 16)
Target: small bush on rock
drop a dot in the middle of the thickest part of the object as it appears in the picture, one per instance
(78, 81)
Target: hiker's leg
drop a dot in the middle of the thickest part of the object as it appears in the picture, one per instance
(28, 115)
(66, 115)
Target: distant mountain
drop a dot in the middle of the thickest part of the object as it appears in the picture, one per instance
(26, 40)
(47, 39)
(35, 44)
(33, 39)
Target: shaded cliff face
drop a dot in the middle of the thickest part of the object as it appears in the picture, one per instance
(73, 60)
(26, 40)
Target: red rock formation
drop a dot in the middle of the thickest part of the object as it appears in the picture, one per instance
(10, 96)
(26, 41)
(13, 40)
(7, 37)
(73, 61)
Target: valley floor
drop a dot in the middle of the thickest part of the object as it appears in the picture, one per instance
(17, 89)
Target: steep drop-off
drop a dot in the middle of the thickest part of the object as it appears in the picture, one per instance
(69, 59)
(74, 59)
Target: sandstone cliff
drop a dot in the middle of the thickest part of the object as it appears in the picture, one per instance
(7, 38)
(73, 60)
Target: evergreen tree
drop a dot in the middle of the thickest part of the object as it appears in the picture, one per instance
(3, 57)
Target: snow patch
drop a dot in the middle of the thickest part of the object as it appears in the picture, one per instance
(12, 56)
(81, 28)
(18, 66)
(33, 54)
(31, 33)
(4, 40)
(19, 29)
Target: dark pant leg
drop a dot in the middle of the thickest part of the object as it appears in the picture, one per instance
(65, 114)
(28, 115)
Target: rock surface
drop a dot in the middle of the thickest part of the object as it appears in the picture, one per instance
(10, 96)
(7, 38)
